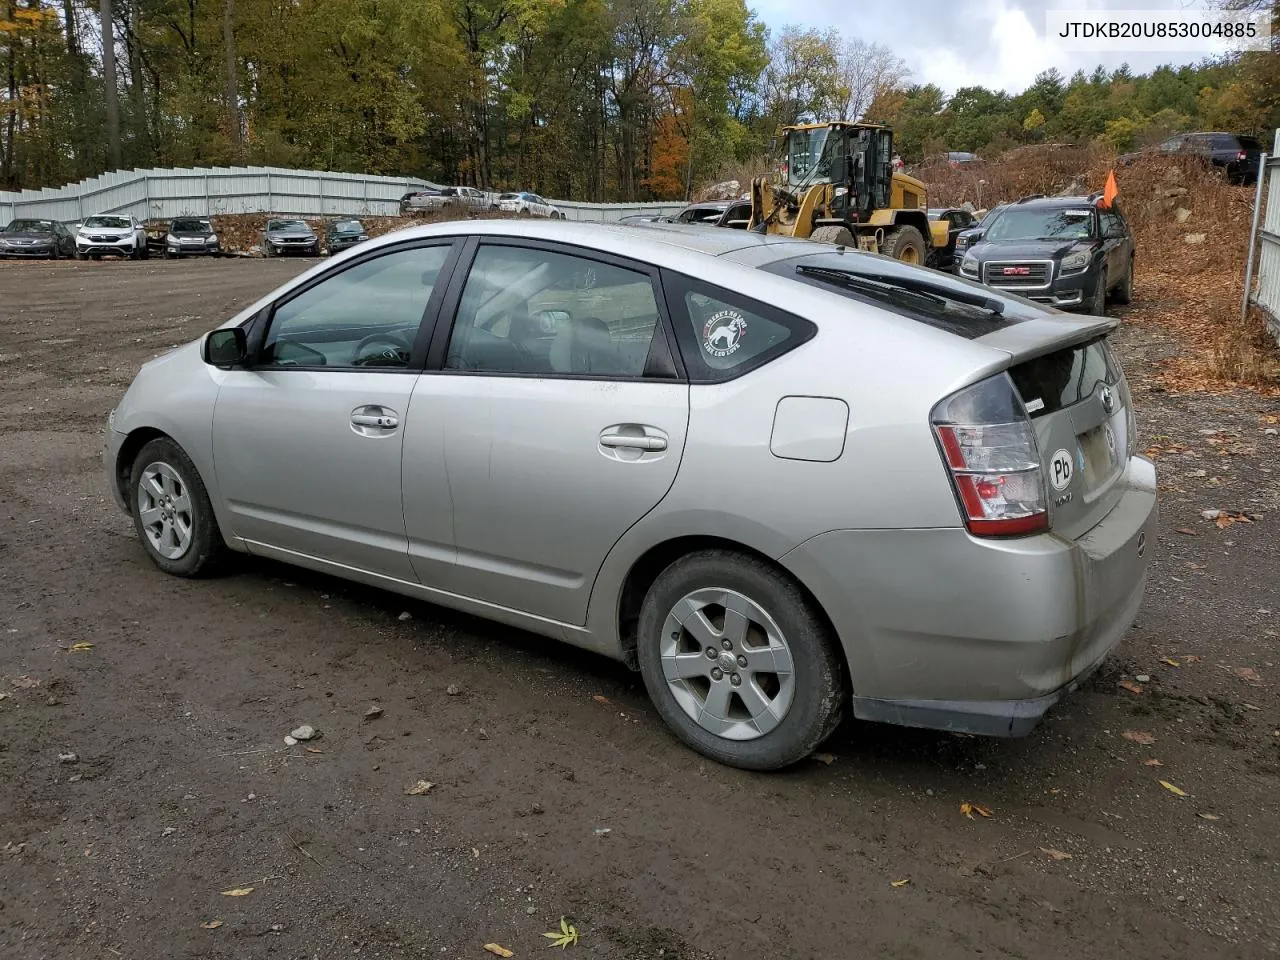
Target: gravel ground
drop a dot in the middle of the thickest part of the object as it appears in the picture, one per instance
(144, 776)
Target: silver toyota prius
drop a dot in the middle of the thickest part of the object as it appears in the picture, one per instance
(785, 480)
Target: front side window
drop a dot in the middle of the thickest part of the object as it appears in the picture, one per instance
(544, 313)
(364, 316)
(1113, 225)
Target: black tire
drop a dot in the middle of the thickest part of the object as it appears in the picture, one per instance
(266, 249)
(206, 551)
(819, 696)
(1098, 305)
(841, 236)
(95, 256)
(906, 244)
(1123, 294)
(146, 251)
(315, 249)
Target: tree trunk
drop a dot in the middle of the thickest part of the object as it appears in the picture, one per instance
(11, 121)
(233, 81)
(111, 94)
(137, 91)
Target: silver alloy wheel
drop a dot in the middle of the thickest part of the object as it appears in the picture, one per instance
(727, 663)
(164, 507)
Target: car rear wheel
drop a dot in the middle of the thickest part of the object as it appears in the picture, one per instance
(172, 513)
(738, 662)
(905, 244)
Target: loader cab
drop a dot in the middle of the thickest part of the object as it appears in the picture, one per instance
(856, 159)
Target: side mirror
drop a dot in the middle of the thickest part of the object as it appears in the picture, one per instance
(226, 347)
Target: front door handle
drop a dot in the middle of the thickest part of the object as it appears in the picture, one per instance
(616, 440)
(373, 419)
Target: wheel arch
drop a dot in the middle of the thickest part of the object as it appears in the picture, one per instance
(646, 568)
(128, 452)
(918, 219)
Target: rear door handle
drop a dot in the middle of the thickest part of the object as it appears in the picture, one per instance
(616, 440)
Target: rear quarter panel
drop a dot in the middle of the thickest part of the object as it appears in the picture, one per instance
(889, 370)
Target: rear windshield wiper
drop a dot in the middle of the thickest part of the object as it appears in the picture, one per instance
(880, 284)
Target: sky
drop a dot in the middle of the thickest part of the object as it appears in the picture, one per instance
(958, 43)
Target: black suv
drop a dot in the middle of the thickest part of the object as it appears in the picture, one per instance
(1063, 251)
(1236, 154)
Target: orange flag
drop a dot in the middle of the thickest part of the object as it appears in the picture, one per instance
(1110, 191)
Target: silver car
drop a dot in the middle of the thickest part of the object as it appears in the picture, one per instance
(786, 481)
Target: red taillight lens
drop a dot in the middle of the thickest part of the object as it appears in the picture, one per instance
(1242, 155)
(990, 448)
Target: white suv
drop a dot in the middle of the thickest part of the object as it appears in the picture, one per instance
(111, 234)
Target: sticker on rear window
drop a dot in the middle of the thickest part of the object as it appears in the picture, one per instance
(1060, 470)
(723, 334)
(1078, 213)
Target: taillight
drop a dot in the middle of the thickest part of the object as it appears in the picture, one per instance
(989, 446)
(1242, 155)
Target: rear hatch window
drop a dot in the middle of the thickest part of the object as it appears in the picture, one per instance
(1249, 143)
(1079, 403)
(935, 299)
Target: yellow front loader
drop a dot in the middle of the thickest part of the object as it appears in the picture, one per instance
(837, 184)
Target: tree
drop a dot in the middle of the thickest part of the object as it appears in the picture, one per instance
(864, 72)
(109, 89)
(802, 78)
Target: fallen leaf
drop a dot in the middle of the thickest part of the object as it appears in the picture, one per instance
(238, 892)
(1176, 791)
(1170, 661)
(314, 750)
(1247, 673)
(826, 758)
(419, 788)
(1191, 659)
(211, 925)
(1139, 736)
(598, 698)
(1055, 854)
(475, 851)
(1131, 686)
(969, 809)
(80, 647)
(1208, 816)
(566, 936)
(498, 950)
(1185, 532)
(900, 883)
(1224, 521)
(1153, 762)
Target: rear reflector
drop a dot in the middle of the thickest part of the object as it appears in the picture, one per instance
(989, 447)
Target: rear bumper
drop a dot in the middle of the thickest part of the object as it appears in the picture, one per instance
(948, 631)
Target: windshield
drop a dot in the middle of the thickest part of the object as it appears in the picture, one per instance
(191, 226)
(286, 225)
(807, 157)
(1065, 223)
(29, 226)
(112, 222)
(346, 226)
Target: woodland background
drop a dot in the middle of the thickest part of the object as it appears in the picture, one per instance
(595, 100)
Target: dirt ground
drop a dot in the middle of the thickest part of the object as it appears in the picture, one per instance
(557, 790)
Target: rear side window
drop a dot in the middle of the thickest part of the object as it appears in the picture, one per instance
(723, 334)
(1249, 143)
(1058, 380)
(1225, 143)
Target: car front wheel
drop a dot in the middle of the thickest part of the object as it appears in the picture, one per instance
(172, 513)
(738, 661)
(1124, 293)
(1098, 306)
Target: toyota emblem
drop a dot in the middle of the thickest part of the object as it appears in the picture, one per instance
(1108, 399)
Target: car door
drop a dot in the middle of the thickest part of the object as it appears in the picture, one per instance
(307, 441)
(555, 403)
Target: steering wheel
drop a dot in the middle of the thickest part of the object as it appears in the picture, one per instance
(396, 355)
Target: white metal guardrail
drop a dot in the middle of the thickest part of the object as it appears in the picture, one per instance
(161, 194)
(1268, 238)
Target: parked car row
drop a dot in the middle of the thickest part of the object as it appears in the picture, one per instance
(128, 237)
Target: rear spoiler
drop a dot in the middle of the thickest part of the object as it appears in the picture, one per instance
(1035, 338)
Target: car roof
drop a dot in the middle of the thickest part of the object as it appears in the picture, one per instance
(1055, 202)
